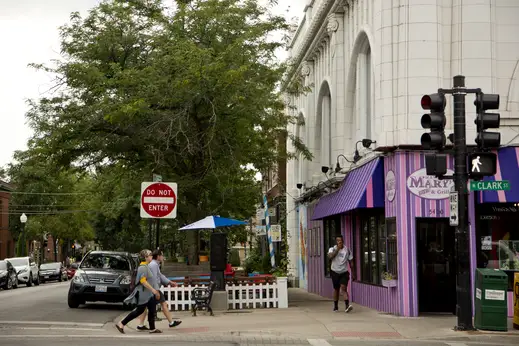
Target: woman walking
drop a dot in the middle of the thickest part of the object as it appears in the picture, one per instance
(146, 295)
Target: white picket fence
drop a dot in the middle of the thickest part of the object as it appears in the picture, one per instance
(242, 296)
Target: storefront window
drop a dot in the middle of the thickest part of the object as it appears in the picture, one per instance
(391, 246)
(332, 228)
(373, 245)
(497, 237)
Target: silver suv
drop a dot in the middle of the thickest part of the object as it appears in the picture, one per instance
(26, 269)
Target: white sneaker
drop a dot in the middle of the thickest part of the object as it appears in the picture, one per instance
(348, 309)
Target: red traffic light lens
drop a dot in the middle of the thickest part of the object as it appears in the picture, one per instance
(426, 102)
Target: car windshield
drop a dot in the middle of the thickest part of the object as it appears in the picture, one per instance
(50, 266)
(17, 262)
(105, 261)
(3, 265)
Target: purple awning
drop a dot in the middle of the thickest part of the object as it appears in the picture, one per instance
(507, 169)
(362, 188)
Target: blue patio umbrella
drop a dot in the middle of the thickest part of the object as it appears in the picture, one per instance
(212, 222)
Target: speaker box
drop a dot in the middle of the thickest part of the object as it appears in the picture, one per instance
(218, 251)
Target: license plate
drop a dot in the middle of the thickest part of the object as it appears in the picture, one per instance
(46, 276)
(101, 288)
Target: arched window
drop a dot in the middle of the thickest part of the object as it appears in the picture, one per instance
(323, 129)
(364, 90)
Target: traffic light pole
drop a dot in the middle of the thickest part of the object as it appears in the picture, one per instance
(464, 301)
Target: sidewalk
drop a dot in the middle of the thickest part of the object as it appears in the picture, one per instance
(310, 317)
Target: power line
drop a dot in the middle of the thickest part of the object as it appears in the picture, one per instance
(48, 193)
(50, 212)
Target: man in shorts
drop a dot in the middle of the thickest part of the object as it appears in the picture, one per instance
(158, 278)
(340, 256)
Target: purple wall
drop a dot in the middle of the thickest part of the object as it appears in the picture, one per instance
(427, 199)
(317, 283)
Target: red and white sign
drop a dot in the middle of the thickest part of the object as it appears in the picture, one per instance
(158, 200)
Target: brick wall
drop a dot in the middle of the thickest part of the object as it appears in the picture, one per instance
(6, 240)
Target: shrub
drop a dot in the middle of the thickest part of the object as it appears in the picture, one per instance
(234, 258)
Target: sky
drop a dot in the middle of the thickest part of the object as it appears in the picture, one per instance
(29, 34)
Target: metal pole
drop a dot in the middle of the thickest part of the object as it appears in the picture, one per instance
(22, 239)
(157, 235)
(463, 291)
(150, 223)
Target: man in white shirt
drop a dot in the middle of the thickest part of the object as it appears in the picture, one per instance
(340, 256)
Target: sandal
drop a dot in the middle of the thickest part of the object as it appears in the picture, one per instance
(174, 323)
(155, 331)
(121, 330)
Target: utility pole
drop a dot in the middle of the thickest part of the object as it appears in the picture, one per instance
(464, 301)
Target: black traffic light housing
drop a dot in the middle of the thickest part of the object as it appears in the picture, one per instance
(484, 139)
(435, 121)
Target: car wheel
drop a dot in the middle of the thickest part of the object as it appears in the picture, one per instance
(29, 282)
(73, 303)
(9, 284)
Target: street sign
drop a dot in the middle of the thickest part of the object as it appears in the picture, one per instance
(275, 231)
(482, 164)
(490, 185)
(158, 200)
(453, 199)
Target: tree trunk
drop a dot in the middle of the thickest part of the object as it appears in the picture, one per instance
(192, 238)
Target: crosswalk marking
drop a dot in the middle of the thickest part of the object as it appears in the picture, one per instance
(319, 342)
(54, 323)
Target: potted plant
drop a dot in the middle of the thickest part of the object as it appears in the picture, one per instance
(389, 280)
(203, 257)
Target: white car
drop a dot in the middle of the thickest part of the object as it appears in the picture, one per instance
(26, 269)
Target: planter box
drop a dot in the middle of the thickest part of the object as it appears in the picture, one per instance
(389, 283)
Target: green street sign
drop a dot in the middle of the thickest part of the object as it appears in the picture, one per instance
(490, 185)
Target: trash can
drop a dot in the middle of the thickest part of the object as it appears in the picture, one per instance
(491, 309)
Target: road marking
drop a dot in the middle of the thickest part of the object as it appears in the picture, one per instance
(456, 344)
(319, 342)
(57, 328)
(60, 323)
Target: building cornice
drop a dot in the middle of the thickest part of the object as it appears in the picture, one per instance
(317, 30)
(6, 186)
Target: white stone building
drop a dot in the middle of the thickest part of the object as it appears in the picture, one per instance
(368, 63)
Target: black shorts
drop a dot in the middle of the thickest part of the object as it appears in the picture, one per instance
(339, 279)
(162, 298)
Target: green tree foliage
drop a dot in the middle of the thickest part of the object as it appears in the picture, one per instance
(191, 94)
(56, 201)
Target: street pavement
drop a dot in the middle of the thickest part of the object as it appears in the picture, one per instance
(40, 316)
(46, 305)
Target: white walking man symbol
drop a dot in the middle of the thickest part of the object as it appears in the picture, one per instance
(475, 164)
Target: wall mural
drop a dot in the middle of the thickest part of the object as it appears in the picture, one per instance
(302, 235)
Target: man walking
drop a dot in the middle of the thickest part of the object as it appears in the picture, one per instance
(159, 279)
(340, 256)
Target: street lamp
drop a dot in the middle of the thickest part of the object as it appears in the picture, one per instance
(23, 220)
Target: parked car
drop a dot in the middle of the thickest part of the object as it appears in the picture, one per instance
(8, 277)
(53, 271)
(26, 269)
(71, 270)
(102, 276)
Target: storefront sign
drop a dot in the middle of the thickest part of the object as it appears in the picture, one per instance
(429, 187)
(390, 186)
(494, 295)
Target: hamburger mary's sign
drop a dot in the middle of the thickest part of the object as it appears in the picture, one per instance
(428, 186)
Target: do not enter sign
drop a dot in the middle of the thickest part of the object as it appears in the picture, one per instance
(158, 200)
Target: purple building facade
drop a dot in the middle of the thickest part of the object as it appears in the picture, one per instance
(396, 220)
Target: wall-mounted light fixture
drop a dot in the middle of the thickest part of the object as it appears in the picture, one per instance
(325, 169)
(366, 143)
(338, 166)
(299, 186)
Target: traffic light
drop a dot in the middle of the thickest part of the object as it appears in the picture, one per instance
(484, 102)
(435, 121)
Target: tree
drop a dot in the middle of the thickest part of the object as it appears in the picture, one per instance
(51, 197)
(191, 95)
